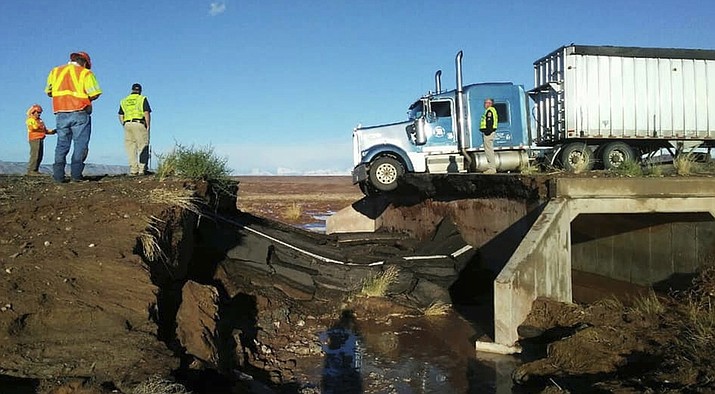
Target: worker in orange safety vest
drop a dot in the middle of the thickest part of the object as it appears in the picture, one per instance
(36, 132)
(72, 87)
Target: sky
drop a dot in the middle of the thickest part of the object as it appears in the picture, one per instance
(276, 86)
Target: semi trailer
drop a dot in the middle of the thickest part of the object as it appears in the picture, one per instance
(591, 106)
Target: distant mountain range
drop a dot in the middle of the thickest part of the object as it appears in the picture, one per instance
(15, 168)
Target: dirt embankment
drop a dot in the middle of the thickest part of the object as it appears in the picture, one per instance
(77, 301)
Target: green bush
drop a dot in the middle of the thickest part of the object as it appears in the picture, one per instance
(193, 163)
(629, 168)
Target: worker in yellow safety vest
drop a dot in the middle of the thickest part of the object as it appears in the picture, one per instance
(135, 116)
(488, 125)
(72, 87)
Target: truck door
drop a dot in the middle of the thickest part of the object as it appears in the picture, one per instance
(442, 131)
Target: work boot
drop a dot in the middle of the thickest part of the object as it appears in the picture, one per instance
(34, 173)
(490, 171)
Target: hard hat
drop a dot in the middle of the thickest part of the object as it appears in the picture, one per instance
(136, 87)
(84, 56)
(34, 108)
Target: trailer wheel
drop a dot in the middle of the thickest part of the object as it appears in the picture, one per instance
(384, 172)
(577, 157)
(614, 154)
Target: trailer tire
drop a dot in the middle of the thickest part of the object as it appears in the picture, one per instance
(614, 154)
(384, 173)
(576, 157)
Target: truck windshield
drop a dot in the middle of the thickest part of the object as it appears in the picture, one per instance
(416, 110)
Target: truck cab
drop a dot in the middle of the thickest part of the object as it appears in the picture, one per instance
(433, 140)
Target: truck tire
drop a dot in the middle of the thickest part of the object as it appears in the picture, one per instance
(384, 172)
(367, 189)
(614, 154)
(576, 157)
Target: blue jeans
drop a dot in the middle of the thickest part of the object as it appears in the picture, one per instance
(77, 127)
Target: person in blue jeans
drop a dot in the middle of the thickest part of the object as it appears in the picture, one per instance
(72, 87)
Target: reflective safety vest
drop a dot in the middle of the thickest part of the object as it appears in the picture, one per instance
(71, 86)
(483, 123)
(133, 107)
(36, 129)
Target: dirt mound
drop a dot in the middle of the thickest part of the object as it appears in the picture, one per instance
(658, 343)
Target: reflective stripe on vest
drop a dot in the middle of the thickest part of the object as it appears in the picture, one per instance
(483, 123)
(133, 107)
(70, 88)
(35, 129)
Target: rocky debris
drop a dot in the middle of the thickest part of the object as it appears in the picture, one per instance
(196, 322)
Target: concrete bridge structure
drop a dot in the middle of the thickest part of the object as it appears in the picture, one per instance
(643, 231)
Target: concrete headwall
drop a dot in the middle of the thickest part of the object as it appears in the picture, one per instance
(540, 267)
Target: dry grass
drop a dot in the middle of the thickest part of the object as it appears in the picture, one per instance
(376, 286)
(293, 211)
(159, 385)
(182, 198)
(611, 303)
(648, 304)
(149, 239)
(685, 163)
(697, 325)
(654, 170)
(437, 308)
(529, 169)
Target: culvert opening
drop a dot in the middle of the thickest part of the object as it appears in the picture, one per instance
(624, 255)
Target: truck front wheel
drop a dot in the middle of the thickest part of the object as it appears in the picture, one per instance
(384, 173)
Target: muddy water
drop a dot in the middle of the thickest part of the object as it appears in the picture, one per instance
(408, 355)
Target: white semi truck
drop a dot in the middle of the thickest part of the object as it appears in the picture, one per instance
(590, 106)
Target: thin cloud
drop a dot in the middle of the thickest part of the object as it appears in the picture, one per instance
(217, 7)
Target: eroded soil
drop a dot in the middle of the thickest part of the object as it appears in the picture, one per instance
(79, 312)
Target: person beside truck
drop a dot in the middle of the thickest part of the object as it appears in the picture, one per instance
(488, 125)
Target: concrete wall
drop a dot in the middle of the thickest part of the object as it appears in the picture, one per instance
(540, 267)
(642, 248)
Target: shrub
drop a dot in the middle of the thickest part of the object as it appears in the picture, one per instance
(376, 286)
(685, 163)
(437, 308)
(628, 168)
(648, 304)
(193, 163)
(293, 211)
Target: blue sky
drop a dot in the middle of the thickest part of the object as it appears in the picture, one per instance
(277, 86)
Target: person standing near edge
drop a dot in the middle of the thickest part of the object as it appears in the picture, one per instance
(488, 126)
(72, 87)
(36, 132)
(135, 116)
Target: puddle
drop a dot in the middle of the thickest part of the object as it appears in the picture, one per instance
(409, 355)
(318, 225)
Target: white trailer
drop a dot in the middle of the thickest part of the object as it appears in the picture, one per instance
(604, 105)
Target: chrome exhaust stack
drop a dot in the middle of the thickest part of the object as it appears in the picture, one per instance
(461, 126)
(438, 82)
